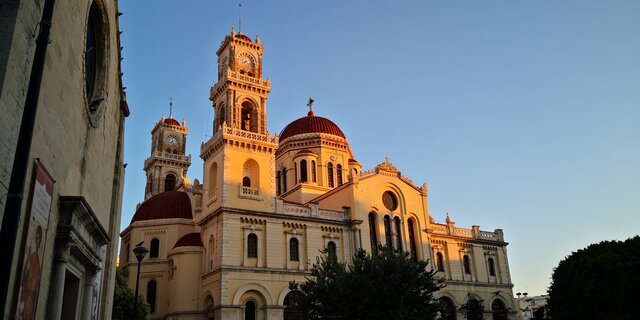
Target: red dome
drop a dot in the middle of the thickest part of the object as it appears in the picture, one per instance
(166, 205)
(243, 37)
(311, 124)
(189, 240)
(171, 122)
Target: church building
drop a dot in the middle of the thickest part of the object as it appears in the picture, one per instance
(227, 247)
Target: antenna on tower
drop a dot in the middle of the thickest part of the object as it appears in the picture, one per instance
(240, 18)
(170, 106)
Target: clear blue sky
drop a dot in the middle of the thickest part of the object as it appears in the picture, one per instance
(520, 115)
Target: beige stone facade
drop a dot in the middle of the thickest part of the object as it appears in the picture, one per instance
(268, 204)
(78, 139)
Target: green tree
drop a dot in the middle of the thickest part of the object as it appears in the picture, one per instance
(389, 285)
(598, 282)
(123, 299)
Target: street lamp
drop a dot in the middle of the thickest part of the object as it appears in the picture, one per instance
(140, 252)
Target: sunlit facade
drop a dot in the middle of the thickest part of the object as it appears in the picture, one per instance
(227, 247)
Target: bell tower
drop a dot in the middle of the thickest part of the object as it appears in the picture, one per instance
(239, 159)
(167, 165)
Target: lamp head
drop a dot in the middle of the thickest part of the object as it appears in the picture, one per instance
(140, 252)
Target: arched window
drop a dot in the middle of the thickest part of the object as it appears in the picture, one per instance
(246, 182)
(154, 250)
(412, 240)
(331, 250)
(474, 309)
(126, 255)
(252, 246)
(295, 173)
(498, 310)
(284, 179)
(213, 179)
(250, 310)
(440, 261)
(447, 309)
(209, 307)
(492, 267)
(330, 174)
(387, 231)
(169, 182)
(303, 170)
(211, 251)
(248, 122)
(373, 237)
(396, 224)
(152, 287)
(313, 171)
(339, 173)
(292, 308)
(467, 264)
(293, 249)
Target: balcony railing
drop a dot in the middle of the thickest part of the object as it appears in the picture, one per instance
(250, 193)
(168, 156)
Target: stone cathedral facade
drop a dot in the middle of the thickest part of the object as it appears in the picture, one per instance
(227, 247)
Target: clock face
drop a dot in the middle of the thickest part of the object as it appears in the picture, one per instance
(247, 60)
(173, 140)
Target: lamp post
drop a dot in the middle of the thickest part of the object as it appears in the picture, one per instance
(140, 252)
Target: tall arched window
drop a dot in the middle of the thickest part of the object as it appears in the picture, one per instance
(313, 171)
(293, 249)
(339, 173)
(213, 179)
(152, 287)
(284, 179)
(209, 307)
(498, 310)
(303, 170)
(292, 308)
(440, 261)
(154, 249)
(331, 250)
(330, 174)
(467, 264)
(373, 237)
(278, 184)
(447, 309)
(250, 310)
(252, 246)
(396, 224)
(412, 240)
(249, 121)
(246, 182)
(170, 182)
(387, 231)
(492, 267)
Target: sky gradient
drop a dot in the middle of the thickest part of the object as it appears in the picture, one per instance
(519, 115)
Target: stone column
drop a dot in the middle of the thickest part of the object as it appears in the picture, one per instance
(56, 291)
(89, 285)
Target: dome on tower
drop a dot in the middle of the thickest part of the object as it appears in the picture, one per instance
(171, 122)
(166, 205)
(311, 124)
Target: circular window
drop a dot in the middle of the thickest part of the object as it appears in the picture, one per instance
(390, 201)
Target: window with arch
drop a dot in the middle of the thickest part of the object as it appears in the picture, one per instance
(396, 224)
(251, 174)
(284, 179)
(154, 248)
(209, 307)
(339, 174)
(412, 240)
(313, 171)
(278, 184)
(152, 288)
(387, 231)
(303, 170)
(248, 121)
(294, 249)
(213, 178)
(246, 182)
(252, 246)
(250, 310)
(447, 309)
(492, 267)
(330, 174)
(331, 250)
(466, 263)
(169, 182)
(499, 310)
(295, 173)
(440, 261)
(373, 237)
(126, 255)
(292, 306)
(95, 62)
(211, 252)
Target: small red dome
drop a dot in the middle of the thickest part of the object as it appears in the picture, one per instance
(171, 122)
(311, 124)
(166, 205)
(243, 37)
(189, 240)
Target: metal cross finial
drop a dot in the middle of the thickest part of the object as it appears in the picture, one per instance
(170, 106)
(310, 104)
(386, 159)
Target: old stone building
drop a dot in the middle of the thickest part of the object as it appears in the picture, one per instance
(61, 139)
(227, 247)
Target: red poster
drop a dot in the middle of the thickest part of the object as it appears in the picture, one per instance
(38, 222)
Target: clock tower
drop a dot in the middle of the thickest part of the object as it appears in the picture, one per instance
(167, 166)
(239, 158)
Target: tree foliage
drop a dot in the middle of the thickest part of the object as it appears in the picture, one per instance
(389, 285)
(123, 299)
(598, 282)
